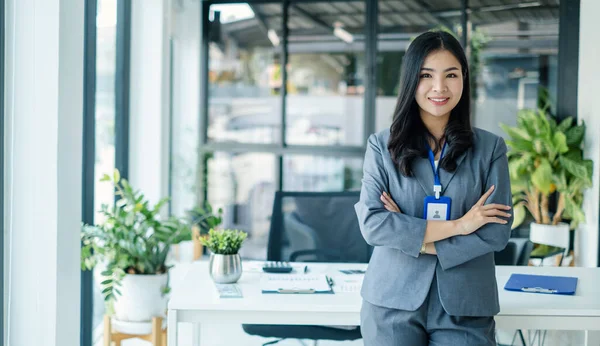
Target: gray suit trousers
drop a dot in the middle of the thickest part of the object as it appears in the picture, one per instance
(428, 325)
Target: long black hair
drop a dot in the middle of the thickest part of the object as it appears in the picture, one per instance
(408, 134)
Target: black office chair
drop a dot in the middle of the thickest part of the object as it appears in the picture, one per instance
(313, 227)
(516, 253)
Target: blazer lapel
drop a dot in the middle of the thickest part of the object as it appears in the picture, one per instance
(424, 174)
(446, 177)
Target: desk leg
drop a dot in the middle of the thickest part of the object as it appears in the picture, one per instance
(172, 328)
(196, 334)
(592, 338)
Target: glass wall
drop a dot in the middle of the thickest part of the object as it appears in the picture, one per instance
(243, 184)
(321, 173)
(242, 156)
(106, 26)
(245, 158)
(518, 68)
(325, 99)
(244, 78)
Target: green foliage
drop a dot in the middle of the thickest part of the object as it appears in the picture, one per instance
(205, 218)
(131, 240)
(224, 242)
(544, 158)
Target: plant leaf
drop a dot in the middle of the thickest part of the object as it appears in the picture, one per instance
(516, 133)
(560, 143)
(575, 135)
(519, 215)
(565, 124)
(542, 177)
(576, 168)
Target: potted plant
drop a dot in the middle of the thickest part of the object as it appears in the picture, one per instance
(133, 243)
(225, 265)
(546, 158)
(200, 220)
(203, 219)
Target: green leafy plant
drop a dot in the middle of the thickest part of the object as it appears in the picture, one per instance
(224, 242)
(132, 239)
(205, 218)
(546, 158)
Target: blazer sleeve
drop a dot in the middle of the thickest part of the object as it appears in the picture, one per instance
(491, 237)
(379, 226)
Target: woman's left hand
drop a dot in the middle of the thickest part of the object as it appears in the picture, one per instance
(389, 203)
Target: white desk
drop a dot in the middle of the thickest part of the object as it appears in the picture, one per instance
(196, 301)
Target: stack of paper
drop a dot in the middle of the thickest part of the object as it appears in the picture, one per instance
(295, 283)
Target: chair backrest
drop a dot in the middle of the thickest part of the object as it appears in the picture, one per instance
(516, 252)
(507, 256)
(524, 246)
(316, 226)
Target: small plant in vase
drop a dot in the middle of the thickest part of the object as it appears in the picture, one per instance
(225, 265)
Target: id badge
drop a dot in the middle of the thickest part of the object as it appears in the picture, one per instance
(437, 209)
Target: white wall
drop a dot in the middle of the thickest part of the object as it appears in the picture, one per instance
(44, 82)
(149, 98)
(586, 240)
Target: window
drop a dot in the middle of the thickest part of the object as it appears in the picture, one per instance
(325, 99)
(518, 65)
(244, 76)
(321, 173)
(242, 157)
(243, 184)
(106, 29)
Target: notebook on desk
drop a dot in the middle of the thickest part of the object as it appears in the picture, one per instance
(542, 284)
(296, 283)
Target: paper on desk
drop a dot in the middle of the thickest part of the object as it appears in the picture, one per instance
(347, 284)
(275, 282)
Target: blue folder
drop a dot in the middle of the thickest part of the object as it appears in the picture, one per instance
(541, 284)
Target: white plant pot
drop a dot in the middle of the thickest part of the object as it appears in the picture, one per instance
(553, 235)
(184, 251)
(141, 298)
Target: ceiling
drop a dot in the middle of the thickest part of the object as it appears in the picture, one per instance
(506, 19)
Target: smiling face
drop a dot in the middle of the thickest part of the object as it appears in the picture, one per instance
(440, 86)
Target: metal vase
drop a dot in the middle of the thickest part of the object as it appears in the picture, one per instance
(225, 269)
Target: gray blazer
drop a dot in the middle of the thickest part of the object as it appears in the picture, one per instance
(397, 276)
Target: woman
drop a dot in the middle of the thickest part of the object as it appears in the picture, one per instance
(435, 203)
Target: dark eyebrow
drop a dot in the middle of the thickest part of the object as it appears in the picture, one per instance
(446, 70)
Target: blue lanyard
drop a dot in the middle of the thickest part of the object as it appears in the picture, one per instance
(437, 185)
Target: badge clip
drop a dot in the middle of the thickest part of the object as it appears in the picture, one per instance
(437, 189)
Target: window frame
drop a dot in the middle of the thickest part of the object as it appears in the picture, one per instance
(122, 74)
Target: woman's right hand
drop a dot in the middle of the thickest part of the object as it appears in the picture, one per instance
(481, 214)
